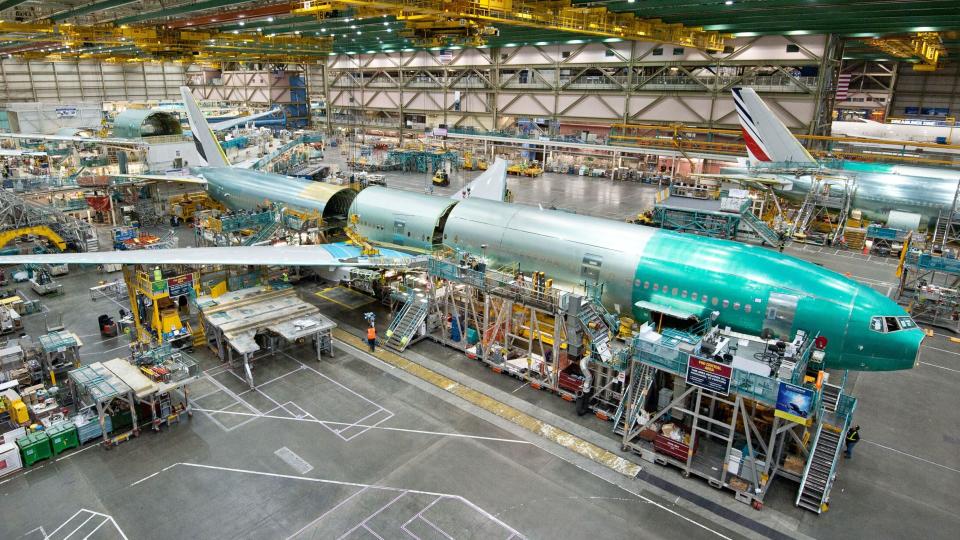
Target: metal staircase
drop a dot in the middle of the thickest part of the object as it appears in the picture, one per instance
(263, 235)
(757, 225)
(835, 414)
(830, 397)
(405, 324)
(641, 381)
(819, 473)
(596, 327)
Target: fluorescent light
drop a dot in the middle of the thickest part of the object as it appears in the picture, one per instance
(541, 43)
(612, 40)
(729, 2)
(574, 41)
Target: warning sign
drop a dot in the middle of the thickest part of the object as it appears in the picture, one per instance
(709, 375)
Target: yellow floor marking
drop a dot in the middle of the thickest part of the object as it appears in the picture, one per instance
(552, 433)
(322, 294)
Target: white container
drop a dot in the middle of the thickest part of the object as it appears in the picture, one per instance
(9, 459)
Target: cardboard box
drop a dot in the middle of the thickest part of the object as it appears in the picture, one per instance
(738, 483)
(794, 464)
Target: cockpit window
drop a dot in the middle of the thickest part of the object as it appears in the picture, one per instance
(891, 324)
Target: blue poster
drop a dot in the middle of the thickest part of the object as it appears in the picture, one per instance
(794, 403)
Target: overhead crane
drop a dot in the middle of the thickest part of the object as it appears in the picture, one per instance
(430, 22)
(140, 43)
(927, 47)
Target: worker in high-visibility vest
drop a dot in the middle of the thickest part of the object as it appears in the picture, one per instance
(372, 338)
(157, 274)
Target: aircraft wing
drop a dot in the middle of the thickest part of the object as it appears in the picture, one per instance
(71, 138)
(166, 178)
(772, 181)
(227, 124)
(323, 255)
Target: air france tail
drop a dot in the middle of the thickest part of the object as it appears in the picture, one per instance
(767, 139)
(203, 136)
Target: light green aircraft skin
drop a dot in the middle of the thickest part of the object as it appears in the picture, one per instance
(727, 276)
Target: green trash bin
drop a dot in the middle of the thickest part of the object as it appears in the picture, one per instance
(63, 437)
(34, 447)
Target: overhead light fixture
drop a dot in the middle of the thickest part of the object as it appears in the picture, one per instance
(269, 19)
(241, 23)
(729, 2)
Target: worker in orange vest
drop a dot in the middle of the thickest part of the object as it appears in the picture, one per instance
(372, 338)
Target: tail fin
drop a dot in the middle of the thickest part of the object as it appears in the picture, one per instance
(203, 137)
(767, 139)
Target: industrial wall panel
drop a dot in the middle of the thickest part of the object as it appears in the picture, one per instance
(383, 99)
(526, 104)
(596, 53)
(473, 57)
(596, 106)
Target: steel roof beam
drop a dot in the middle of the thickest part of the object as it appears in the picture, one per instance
(178, 10)
(90, 8)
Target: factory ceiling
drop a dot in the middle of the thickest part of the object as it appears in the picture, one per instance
(270, 30)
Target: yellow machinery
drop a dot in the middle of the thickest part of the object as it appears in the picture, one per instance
(38, 230)
(185, 206)
(441, 179)
(366, 248)
(153, 298)
(470, 22)
(11, 402)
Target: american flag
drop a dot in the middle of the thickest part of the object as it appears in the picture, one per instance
(843, 86)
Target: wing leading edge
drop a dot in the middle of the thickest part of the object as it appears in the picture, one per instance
(326, 255)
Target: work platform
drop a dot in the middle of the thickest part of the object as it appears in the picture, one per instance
(244, 325)
(692, 211)
(930, 288)
(735, 409)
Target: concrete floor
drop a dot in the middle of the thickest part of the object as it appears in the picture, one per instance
(348, 447)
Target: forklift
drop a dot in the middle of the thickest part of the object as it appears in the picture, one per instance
(441, 179)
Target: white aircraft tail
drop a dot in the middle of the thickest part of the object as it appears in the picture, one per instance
(767, 139)
(491, 185)
(206, 142)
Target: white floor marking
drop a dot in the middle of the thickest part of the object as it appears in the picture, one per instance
(942, 350)
(323, 515)
(371, 516)
(918, 458)
(941, 367)
(79, 515)
(384, 428)
(145, 478)
(401, 491)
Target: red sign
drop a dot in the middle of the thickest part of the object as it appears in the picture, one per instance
(709, 375)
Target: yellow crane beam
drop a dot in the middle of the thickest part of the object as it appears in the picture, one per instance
(557, 15)
(158, 42)
(925, 46)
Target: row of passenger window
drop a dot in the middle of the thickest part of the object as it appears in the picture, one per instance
(697, 297)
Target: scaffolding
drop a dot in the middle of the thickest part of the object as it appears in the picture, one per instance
(822, 217)
(19, 216)
(930, 287)
(712, 402)
(713, 406)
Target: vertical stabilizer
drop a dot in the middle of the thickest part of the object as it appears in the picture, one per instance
(767, 139)
(491, 185)
(207, 145)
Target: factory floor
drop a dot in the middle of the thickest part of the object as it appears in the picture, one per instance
(353, 447)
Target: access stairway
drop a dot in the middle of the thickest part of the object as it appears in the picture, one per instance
(641, 381)
(820, 471)
(757, 225)
(406, 323)
(596, 327)
(263, 235)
